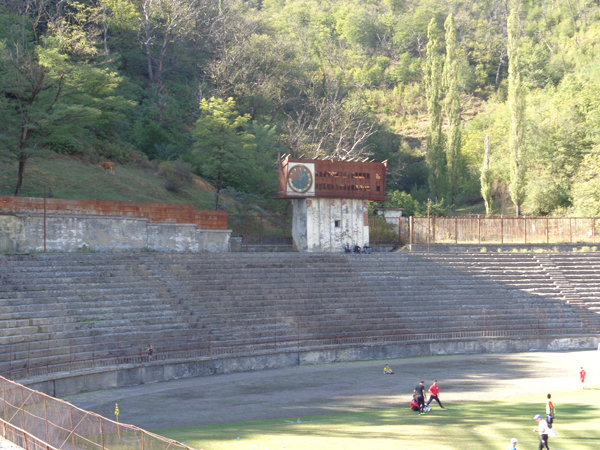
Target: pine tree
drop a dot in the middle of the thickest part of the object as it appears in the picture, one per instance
(452, 107)
(516, 106)
(435, 137)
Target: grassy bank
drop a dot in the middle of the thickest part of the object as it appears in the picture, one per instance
(70, 178)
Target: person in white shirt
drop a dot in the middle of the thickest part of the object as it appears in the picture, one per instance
(543, 430)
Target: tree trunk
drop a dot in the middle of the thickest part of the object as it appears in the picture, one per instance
(217, 198)
(150, 71)
(22, 162)
(218, 186)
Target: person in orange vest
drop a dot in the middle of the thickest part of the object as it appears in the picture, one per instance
(582, 377)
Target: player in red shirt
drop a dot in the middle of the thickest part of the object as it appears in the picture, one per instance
(582, 377)
(549, 412)
(414, 405)
(434, 390)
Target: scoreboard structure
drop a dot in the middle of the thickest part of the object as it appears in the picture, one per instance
(330, 201)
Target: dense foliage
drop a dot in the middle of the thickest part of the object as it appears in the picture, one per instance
(131, 79)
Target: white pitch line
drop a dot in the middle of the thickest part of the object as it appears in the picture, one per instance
(474, 432)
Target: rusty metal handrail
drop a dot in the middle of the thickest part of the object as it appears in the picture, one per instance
(27, 440)
(281, 345)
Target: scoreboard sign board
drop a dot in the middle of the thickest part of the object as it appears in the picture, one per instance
(313, 178)
(300, 179)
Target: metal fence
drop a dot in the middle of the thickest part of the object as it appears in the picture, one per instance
(383, 232)
(502, 230)
(36, 421)
(261, 228)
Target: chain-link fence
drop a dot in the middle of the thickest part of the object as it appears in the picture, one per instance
(36, 421)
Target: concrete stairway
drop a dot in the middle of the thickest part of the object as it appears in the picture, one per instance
(72, 307)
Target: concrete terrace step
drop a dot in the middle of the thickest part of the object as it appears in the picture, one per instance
(120, 302)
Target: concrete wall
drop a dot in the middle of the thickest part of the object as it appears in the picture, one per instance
(314, 224)
(71, 232)
(60, 385)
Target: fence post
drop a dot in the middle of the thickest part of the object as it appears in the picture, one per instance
(400, 229)
(525, 228)
(570, 231)
(428, 224)
(456, 230)
(479, 229)
(547, 233)
(411, 221)
(44, 218)
(502, 230)
(23, 409)
(246, 218)
(4, 403)
(101, 433)
(593, 230)
(72, 430)
(46, 417)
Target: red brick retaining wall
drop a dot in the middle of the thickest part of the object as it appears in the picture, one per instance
(154, 212)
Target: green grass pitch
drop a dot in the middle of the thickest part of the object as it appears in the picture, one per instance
(469, 425)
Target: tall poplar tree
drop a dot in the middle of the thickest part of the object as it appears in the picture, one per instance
(516, 106)
(486, 178)
(452, 107)
(435, 138)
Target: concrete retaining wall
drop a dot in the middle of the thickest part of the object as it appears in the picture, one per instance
(72, 232)
(154, 212)
(60, 385)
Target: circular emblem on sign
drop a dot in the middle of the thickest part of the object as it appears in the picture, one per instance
(300, 179)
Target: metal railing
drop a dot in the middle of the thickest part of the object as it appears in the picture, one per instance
(36, 421)
(214, 352)
(22, 438)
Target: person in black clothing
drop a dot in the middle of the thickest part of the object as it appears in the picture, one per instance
(420, 392)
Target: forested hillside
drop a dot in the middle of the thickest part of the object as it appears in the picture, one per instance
(222, 86)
